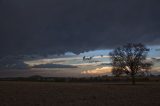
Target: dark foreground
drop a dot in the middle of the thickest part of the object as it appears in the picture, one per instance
(78, 94)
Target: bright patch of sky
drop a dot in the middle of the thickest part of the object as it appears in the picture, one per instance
(154, 51)
(98, 65)
(95, 53)
(98, 57)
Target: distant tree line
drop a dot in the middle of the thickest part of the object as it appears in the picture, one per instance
(108, 79)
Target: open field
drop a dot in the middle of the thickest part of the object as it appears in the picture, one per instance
(78, 94)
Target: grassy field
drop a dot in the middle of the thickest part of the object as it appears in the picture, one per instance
(78, 94)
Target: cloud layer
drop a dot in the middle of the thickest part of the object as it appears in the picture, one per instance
(58, 26)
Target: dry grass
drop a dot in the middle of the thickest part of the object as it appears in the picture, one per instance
(78, 94)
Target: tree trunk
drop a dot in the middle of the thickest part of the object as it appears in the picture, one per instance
(133, 78)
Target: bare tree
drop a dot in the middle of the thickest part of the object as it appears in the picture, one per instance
(130, 59)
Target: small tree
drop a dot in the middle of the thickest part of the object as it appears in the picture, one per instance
(129, 59)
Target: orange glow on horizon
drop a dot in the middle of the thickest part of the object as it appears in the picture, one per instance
(103, 70)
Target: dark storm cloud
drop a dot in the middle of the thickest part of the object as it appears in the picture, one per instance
(53, 66)
(57, 26)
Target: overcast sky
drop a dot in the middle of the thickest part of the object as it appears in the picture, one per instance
(58, 26)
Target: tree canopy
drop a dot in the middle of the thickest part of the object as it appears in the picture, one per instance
(130, 59)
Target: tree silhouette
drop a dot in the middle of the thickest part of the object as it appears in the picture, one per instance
(130, 59)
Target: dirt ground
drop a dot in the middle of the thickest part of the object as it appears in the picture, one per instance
(78, 94)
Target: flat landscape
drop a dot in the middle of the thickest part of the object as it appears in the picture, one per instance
(20, 93)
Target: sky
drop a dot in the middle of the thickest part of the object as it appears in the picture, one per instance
(59, 26)
(67, 30)
(68, 65)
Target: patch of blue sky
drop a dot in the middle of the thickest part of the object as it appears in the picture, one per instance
(154, 51)
(96, 53)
